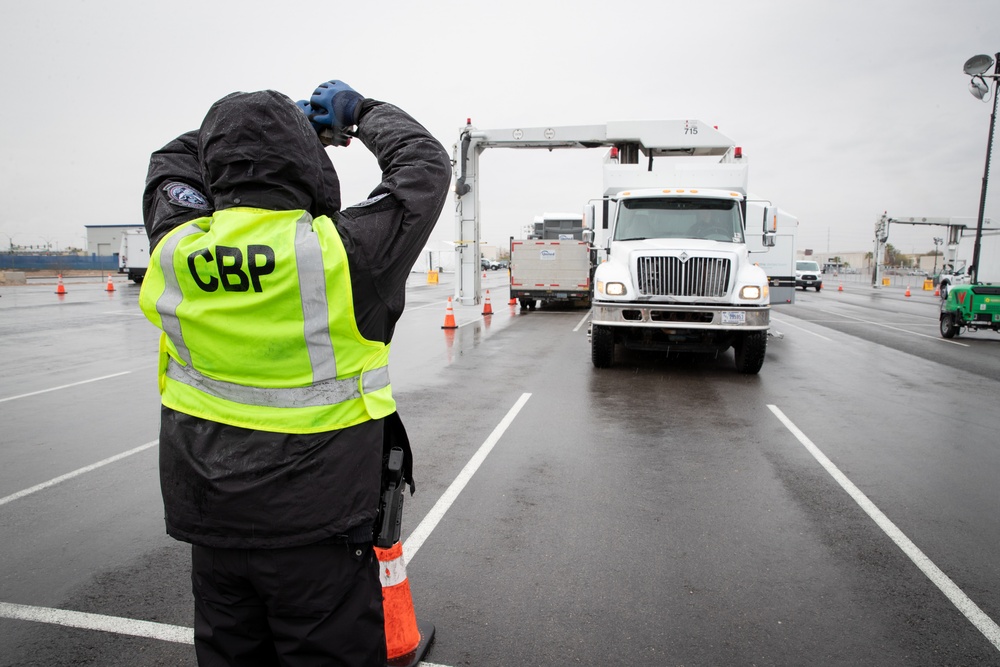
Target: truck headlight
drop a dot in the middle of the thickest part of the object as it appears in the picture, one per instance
(751, 292)
(614, 289)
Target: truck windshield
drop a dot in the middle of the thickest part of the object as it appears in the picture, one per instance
(679, 218)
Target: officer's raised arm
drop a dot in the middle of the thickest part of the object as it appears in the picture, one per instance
(174, 193)
(416, 174)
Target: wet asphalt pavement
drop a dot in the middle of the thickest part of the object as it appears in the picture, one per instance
(659, 512)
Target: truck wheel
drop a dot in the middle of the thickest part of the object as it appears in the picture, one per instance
(602, 346)
(526, 303)
(819, 287)
(948, 327)
(749, 351)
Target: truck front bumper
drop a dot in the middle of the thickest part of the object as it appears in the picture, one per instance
(678, 316)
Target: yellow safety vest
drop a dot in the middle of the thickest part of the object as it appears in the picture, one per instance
(258, 324)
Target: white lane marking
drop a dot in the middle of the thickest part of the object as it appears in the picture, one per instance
(76, 473)
(886, 326)
(583, 321)
(976, 616)
(115, 624)
(64, 386)
(430, 521)
(789, 324)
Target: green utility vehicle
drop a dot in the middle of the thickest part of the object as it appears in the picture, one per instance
(975, 305)
(970, 307)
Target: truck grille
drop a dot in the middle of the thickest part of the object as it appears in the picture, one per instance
(698, 276)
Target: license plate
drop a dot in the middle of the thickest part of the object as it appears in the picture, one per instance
(734, 317)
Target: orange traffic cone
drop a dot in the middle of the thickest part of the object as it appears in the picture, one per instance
(111, 285)
(60, 288)
(840, 287)
(449, 317)
(487, 309)
(937, 291)
(405, 641)
(907, 291)
(512, 302)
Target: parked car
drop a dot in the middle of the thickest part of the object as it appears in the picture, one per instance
(808, 274)
(484, 263)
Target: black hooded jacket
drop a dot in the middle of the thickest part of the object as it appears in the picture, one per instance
(230, 487)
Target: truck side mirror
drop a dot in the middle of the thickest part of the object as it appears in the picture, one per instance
(588, 236)
(588, 216)
(770, 227)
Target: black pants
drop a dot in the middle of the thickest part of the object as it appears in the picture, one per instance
(314, 605)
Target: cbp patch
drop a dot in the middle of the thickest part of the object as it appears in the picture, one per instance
(184, 195)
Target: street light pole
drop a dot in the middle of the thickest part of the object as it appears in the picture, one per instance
(989, 150)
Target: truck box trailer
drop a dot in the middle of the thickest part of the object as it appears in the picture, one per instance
(545, 271)
(133, 257)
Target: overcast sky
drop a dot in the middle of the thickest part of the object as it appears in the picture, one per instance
(844, 109)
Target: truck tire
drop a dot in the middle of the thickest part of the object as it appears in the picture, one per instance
(602, 346)
(749, 351)
(948, 327)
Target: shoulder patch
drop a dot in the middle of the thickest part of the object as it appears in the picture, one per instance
(184, 195)
(369, 202)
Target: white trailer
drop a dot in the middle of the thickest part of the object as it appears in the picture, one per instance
(777, 261)
(546, 271)
(133, 257)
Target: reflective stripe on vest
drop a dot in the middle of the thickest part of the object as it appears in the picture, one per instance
(317, 400)
(324, 393)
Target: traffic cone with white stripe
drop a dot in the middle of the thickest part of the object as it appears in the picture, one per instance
(111, 285)
(406, 642)
(60, 288)
(907, 291)
(487, 308)
(449, 317)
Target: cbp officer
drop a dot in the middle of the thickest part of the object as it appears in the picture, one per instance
(277, 310)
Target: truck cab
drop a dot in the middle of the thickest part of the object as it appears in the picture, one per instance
(953, 276)
(678, 278)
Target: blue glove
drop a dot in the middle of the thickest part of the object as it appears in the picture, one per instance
(335, 105)
(308, 110)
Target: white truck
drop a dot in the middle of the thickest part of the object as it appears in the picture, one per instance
(133, 257)
(676, 274)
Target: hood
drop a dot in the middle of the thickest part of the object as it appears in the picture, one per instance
(259, 150)
(672, 246)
